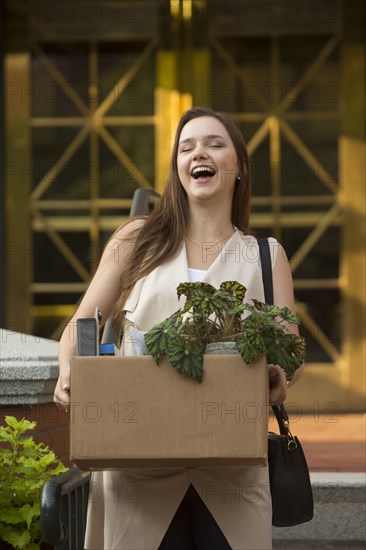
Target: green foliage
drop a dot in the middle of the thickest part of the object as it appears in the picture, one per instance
(25, 466)
(187, 358)
(221, 315)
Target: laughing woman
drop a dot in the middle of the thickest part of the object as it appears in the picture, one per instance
(197, 231)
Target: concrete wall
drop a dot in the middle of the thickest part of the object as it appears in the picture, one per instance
(28, 374)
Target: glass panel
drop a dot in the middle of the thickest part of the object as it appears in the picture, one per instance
(321, 138)
(72, 179)
(137, 97)
(50, 98)
(138, 143)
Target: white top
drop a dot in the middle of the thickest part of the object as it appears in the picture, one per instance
(196, 274)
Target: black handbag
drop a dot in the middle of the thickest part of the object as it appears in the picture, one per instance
(292, 496)
(291, 492)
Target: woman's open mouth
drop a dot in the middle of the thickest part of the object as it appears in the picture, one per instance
(202, 173)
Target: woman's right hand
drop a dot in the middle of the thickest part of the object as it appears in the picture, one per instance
(62, 391)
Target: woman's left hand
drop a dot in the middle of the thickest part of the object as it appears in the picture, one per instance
(277, 385)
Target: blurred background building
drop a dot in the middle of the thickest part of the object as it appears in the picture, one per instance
(92, 93)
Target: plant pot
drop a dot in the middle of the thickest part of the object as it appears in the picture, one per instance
(221, 348)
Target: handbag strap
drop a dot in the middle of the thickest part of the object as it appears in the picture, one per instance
(265, 256)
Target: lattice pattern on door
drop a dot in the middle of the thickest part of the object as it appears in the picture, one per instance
(90, 126)
(262, 98)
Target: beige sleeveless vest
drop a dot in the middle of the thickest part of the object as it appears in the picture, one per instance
(131, 509)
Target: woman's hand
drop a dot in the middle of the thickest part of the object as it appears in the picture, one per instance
(62, 391)
(277, 385)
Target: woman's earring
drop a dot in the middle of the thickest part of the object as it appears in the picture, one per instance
(238, 178)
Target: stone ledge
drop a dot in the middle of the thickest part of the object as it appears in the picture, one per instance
(339, 511)
(28, 368)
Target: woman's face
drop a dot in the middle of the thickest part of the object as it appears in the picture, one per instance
(206, 160)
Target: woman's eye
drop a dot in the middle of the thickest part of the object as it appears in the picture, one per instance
(218, 145)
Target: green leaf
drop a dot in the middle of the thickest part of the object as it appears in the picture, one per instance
(58, 470)
(47, 460)
(11, 515)
(187, 360)
(18, 539)
(11, 421)
(157, 339)
(190, 289)
(250, 349)
(237, 309)
(287, 351)
(204, 304)
(289, 317)
(227, 300)
(234, 288)
(29, 512)
(20, 426)
(22, 485)
(8, 437)
(298, 346)
(25, 425)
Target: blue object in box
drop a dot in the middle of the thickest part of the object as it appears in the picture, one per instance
(107, 349)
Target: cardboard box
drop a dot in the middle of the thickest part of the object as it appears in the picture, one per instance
(129, 412)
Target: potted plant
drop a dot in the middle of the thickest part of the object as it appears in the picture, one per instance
(212, 315)
(25, 466)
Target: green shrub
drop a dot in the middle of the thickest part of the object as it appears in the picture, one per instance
(25, 466)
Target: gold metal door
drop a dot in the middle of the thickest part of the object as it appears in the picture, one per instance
(93, 98)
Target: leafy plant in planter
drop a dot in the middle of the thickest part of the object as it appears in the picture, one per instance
(220, 315)
(25, 466)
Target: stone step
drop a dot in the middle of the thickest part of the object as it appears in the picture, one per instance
(318, 545)
(339, 515)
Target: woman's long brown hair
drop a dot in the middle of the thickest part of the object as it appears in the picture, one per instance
(161, 236)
